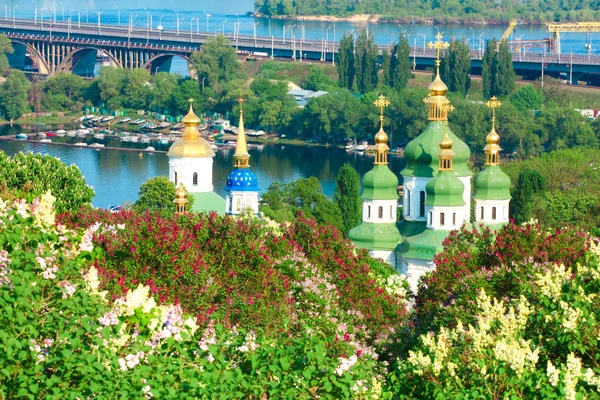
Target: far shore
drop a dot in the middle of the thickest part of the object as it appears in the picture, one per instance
(376, 18)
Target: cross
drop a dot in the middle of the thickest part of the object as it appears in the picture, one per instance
(448, 108)
(382, 103)
(241, 102)
(493, 103)
(439, 46)
(191, 100)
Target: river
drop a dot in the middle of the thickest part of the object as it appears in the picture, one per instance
(117, 175)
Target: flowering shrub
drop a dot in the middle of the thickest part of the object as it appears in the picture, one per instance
(285, 279)
(501, 264)
(28, 175)
(64, 336)
(542, 345)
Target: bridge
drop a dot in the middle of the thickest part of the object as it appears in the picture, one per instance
(73, 47)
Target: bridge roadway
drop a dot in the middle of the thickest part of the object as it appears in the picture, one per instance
(60, 46)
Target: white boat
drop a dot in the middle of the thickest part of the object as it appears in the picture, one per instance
(134, 139)
(98, 145)
(150, 149)
(145, 140)
(164, 141)
(360, 147)
(106, 119)
(126, 139)
(58, 132)
(41, 135)
(99, 136)
(46, 141)
(214, 146)
(71, 133)
(80, 144)
(87, 117)
(124, 120)
(22, 136)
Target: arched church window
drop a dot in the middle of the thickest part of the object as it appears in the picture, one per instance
(422, 204)
(442, 219)
(429, 218)
(175, 176)
(481, 212)
(195, 179)
(368, 211)
(391, 212)
(493, 213)
(380, 212)
(408, 203)
(454, 219)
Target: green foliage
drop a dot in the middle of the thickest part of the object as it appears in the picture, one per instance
(345, 63)
(529, 186)
(400, 64)
(488, 75)
(5, 48)
(28, 175)
(283, 202)
(157, 195)
(347, 197)
(365, 61)
(137, 88)
(527, 98)
(317, 80)
(13, 95)
(573, 187)
(63, 92)
(217, 62)
(502, 68)
(456, 67)
(111, 82)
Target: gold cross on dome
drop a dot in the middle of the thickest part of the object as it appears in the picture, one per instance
(448, 108)
(241, 102)
(191, 100)
(493, 103)
(382, 103)
(438, 45)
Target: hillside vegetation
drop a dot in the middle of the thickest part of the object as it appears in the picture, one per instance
(451, 11)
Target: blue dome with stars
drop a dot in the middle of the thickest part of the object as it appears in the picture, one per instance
(242, 179)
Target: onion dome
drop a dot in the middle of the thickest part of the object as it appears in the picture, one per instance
(446, 189)
(242, 179)
(422, 153)
(492, 184)
(241, 156)
(373, 236)
(191, 145)
(380, 184)
(181, 200)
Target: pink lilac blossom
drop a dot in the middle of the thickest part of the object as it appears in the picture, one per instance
(4, 270)
(69, 288)
(109, 318)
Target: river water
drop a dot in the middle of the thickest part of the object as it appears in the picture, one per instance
(117, 175)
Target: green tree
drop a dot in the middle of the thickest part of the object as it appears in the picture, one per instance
(456, 66)
(487, 70)
(157, 195)
(111, 82)
(187, 89)
(345, 62)
(13, 95)
(28, 175)
(282, 202)
(366, 62)
(528, 186)
(504, 82)
(137, 88)
(162, 90)
(385, 66)
(400, 64)
(317, 80)
(5, 48)
(217, 62)
(527, 98)
(62, 91)
(347, 197)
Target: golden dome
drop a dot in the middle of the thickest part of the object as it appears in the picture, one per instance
(493, 137)
(381, 137)
(191, 145)
(180, 195)
(437, 87)
(446, 143)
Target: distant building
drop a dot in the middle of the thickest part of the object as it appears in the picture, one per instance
(191, 164)
(302, 95)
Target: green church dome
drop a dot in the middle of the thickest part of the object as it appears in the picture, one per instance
(380, 184)
(445, 190)
(422, 152)
(492, 184)
(372, 236)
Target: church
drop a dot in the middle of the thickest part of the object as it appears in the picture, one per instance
(191, 167)
(437, 193)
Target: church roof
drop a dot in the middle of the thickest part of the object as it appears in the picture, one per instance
(208, 202)
(492, 184)
(380, 183)
(372, 236)
(445, 190)
(191, 145)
